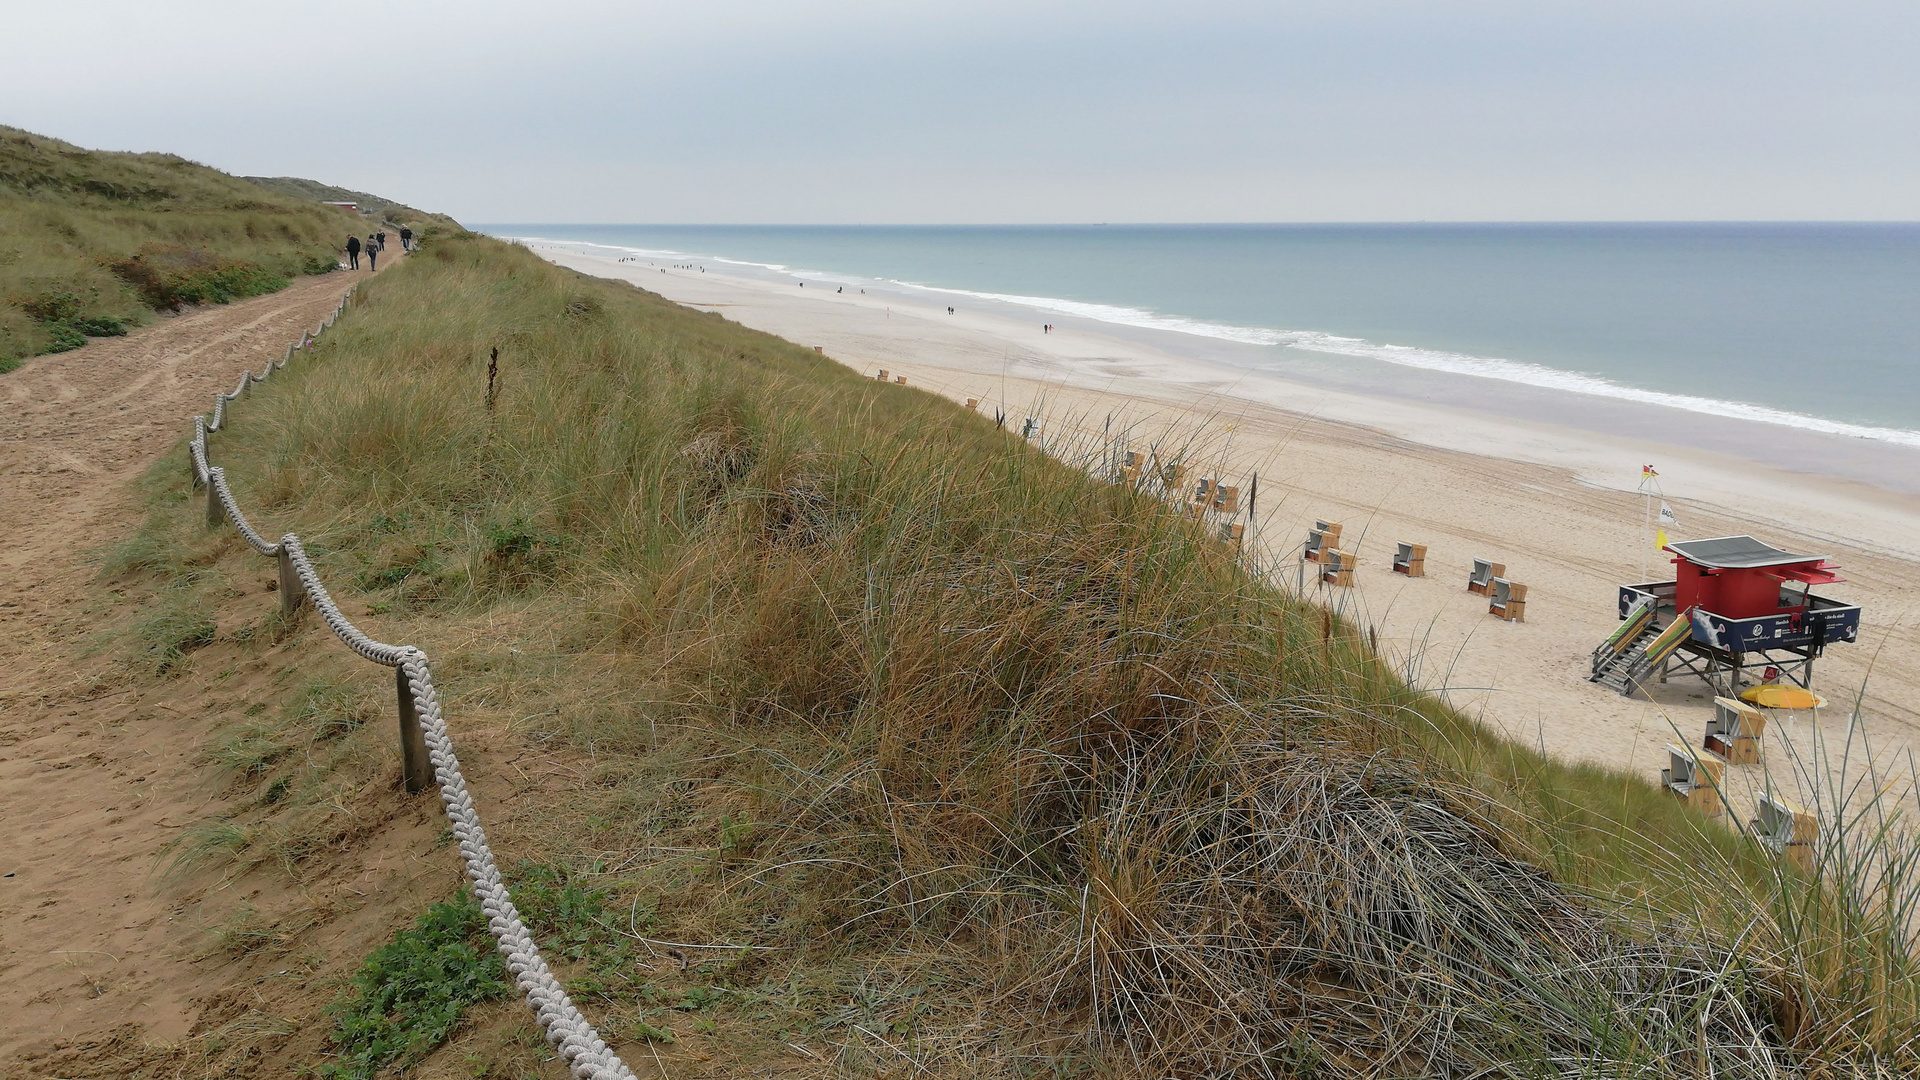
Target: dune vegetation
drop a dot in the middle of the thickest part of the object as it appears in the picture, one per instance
(960, 758)
(386, 209)
(93, 242)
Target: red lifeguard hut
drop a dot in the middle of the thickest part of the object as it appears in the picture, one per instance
(1735, 605)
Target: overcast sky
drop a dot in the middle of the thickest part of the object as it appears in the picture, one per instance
(1008, 110)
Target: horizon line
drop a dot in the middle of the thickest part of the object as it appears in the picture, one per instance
(1214, 224)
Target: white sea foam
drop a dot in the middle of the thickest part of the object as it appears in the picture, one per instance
(672, 255)
(1482, 367)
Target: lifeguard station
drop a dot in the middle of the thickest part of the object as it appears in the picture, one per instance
(1736, 606)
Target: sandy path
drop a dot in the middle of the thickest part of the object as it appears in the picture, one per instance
(95, 779)
(1556, 506)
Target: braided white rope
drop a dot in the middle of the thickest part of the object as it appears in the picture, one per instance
(567, 1030)
(587, 1055)
(217, 476)
(377, 651)
(197, 450)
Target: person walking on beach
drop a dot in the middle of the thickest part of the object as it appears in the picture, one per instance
(373, 253)
(406, 238)
(353, 253)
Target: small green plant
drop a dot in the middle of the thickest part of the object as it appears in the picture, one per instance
(698, 998)
(50, 308)
(640, 1029)
(519, 553)
(569, 920)
(225, 284)
(101, 326)
(62, 337)
(412, 991)
(388, 576)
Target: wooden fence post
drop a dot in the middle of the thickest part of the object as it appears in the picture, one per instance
(216, 513)
(292, 590)
(415, 767)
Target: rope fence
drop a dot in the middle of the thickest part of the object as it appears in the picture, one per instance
(426, 747)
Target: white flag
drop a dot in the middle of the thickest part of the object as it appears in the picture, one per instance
(1666, 515)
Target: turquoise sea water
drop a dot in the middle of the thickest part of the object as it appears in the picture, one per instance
(1814, 327)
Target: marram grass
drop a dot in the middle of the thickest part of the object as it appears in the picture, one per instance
(890, 688)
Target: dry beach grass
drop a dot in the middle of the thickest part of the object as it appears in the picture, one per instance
(971, 761)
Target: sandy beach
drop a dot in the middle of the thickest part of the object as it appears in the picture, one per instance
(1557, 506)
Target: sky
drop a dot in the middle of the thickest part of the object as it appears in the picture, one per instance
(856, 111)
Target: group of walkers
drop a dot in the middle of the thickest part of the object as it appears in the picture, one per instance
(375, 243)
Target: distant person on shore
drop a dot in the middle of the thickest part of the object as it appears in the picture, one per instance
(406, 239)
(373, 253)
(353, 253)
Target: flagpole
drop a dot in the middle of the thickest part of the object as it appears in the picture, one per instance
(1646, 540)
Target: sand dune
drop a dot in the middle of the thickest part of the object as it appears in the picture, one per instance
(1556, 506)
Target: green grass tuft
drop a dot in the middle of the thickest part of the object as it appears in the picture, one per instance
(178, 625)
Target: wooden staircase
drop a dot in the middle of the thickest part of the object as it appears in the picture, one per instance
(1631, 653)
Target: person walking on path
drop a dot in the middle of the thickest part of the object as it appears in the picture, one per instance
(406, 238)
(353, 253)
(373, 253)
(382, 234)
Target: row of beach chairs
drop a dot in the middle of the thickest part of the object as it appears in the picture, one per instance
(1505, 599)
(1781, 826)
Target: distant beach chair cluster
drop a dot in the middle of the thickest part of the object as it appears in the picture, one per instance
(1505, 599)
(1210, 498)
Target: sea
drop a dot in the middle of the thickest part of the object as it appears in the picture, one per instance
(1796, 343)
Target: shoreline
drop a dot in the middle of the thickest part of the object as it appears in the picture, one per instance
(1092, 355)
(1759, 431)
(1557, 506)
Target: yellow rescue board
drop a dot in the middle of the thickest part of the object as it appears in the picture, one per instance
(1782, 697)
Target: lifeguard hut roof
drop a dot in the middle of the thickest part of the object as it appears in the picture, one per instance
(1736, 553)
(1742, 557)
